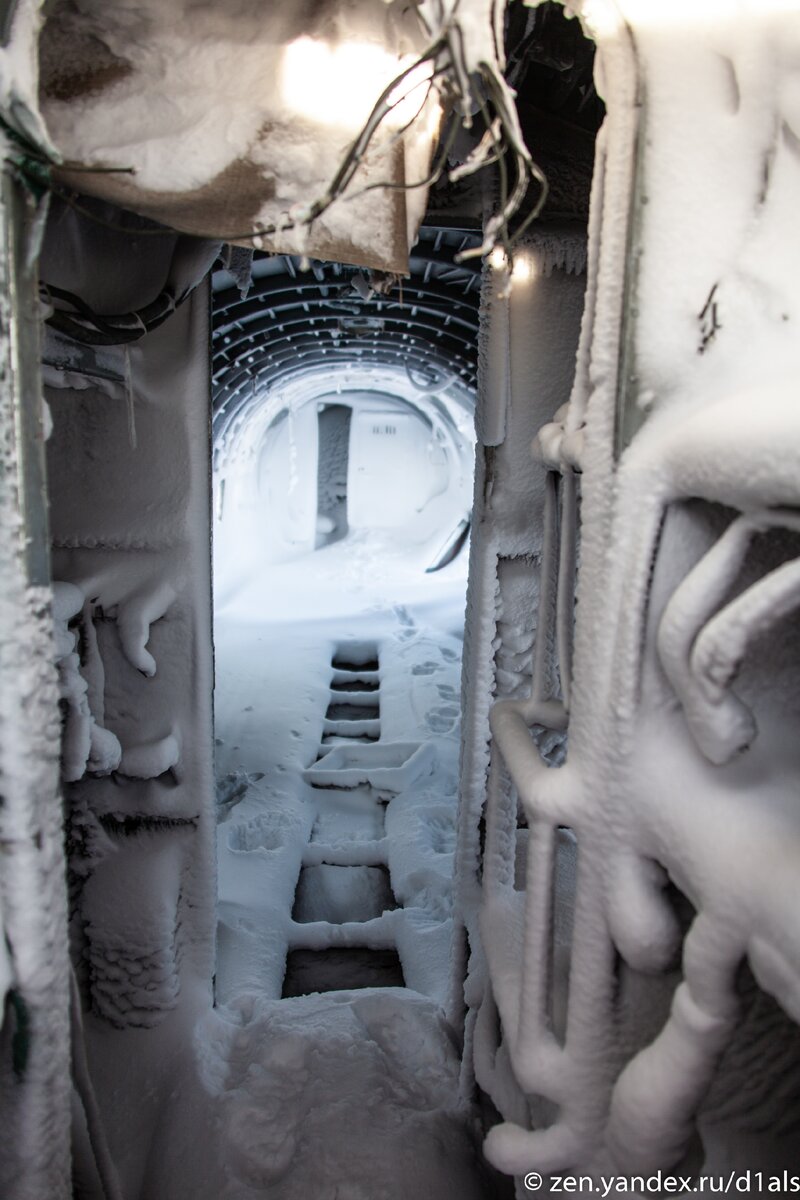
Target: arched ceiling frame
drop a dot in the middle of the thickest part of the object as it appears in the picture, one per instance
(294, 320)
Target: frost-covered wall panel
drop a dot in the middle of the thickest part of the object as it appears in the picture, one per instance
(531, 323)
(681, 768)
(130, 509)
(129, 485)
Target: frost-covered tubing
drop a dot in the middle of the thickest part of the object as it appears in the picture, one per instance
(680, 776)
(525, 377)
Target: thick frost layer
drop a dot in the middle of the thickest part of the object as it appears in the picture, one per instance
(291, 90)
(680, 776)
(337, 746)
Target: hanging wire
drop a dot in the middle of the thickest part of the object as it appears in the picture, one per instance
(501, 144)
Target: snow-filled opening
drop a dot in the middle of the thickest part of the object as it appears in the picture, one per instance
(319, 474)
(342, 487)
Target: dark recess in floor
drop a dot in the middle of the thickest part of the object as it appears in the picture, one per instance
(309, 971)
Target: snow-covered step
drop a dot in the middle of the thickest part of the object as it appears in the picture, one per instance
(387, 766)
(346, 739)
(354, 706)
(375, 934)
(355, 697)
(351, 853)
(368, 728)
(356, 656)
(355, 681)
(342, 893)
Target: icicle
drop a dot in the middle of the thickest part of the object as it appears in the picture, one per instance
(130, 400)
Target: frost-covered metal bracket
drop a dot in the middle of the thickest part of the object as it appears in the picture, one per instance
(702, 640)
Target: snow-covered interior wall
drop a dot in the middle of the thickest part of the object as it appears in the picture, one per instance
(129, 501)
(665, 916)
(531, 319)
(305, 342)
(403, 470)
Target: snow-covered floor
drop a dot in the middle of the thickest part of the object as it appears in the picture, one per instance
(337, 727)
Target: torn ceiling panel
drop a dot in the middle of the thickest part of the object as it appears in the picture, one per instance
(229, 119)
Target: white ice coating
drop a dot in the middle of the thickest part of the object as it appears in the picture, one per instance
(679, 700)
(86, 745)
(19, 73)
(271, 75)
(681, 761)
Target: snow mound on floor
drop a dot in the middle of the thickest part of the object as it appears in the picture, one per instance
(350, 1095)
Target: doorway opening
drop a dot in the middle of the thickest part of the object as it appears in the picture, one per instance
(343, 476)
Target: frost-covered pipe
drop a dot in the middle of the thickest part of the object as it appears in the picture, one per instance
(641, 922)
(565, 600)
(547, 592)
(512, 1149)
(494, 355)
(532, 1034)
(720, 723)
(539, 786)
(670, 1077)
(721, 646)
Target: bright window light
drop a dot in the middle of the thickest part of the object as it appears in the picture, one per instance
(523, 269)
(339, 85)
